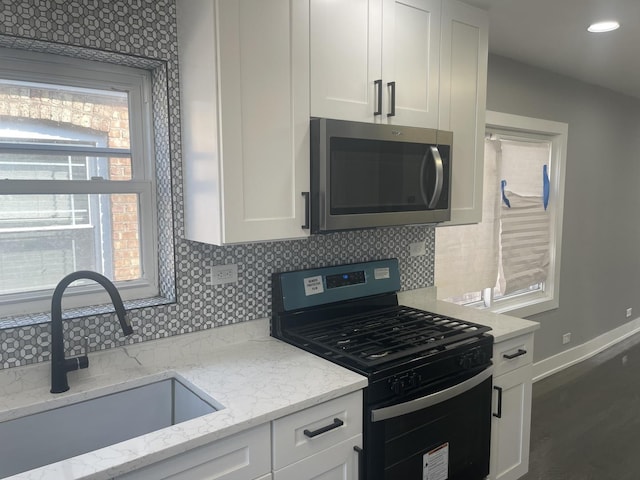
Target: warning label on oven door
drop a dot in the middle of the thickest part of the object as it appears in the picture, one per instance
(436, 463)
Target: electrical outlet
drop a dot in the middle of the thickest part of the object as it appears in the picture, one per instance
(629, 312)
(221, 274)
(566, 338)
(417, 249)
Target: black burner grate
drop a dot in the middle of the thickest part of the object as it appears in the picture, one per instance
(388, 334)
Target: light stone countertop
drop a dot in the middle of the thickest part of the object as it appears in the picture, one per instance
(255, 377)
(503, 327)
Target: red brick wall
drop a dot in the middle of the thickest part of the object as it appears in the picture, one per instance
(72, 109)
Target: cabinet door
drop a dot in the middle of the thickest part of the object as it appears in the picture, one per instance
(345, 46)
(510, 433)
(339, 462)
(238, 457)
(264, 110)
(411, 59)
(463, 87)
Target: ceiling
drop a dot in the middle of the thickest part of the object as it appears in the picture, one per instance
(552, 34)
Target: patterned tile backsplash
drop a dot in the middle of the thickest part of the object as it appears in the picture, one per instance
(143, 33)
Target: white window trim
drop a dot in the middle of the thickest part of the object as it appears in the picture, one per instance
(49, 68)
(537, 302)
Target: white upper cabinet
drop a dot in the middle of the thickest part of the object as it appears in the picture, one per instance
(252, 72)
(244, 76)
(346, 60)
(463, 90)
(375, 60)
(411, 59)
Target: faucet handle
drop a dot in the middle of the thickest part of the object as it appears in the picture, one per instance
(81, 361)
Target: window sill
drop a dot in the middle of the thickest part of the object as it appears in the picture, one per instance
(26, 320)
(524, 306)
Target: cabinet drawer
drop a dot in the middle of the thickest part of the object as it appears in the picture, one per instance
(513, 353)
(310, 431)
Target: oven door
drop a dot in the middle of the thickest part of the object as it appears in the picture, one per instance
(438, 433)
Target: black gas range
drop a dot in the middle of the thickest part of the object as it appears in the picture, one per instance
(421, 366)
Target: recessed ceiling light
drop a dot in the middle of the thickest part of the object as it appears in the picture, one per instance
(601, 27)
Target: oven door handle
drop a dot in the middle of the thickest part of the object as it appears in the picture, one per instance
(430, 400)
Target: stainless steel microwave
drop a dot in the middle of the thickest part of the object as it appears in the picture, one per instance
(366, 175)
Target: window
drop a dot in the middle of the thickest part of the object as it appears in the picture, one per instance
(511, 260)
(76, 180)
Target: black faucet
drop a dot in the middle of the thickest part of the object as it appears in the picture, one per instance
(60, 365)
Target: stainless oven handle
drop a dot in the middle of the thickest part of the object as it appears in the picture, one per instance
(439, 180)
(430, 400)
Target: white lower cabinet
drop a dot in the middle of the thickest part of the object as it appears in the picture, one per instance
(315, 443)
(511, 425)
(339, 462)
(243, 456)
(319, 442)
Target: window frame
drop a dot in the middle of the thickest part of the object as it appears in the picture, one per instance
(527, 304)
(26, 66)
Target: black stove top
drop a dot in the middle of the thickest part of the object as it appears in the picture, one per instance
(349, 314)
(385, 336)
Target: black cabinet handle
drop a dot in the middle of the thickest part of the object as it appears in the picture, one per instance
(336, 423)
(392, 113)
(511, 356)
(378, 85)
(306, 210)
(360, 462)
(499, 414)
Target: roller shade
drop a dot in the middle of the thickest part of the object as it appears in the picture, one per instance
(524, 243)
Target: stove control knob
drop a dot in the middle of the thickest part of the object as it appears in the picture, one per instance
(466, 361)
(414, 380)
(397, 386)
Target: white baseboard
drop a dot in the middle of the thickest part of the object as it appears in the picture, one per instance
(562, 360)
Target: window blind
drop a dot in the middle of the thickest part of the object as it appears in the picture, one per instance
(524, 226)
(524, 243)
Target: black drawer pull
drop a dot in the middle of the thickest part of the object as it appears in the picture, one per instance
(336, 423)
(499, 414)
(511, 356)
(360, 462)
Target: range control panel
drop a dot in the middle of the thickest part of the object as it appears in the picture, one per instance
(345, 279)
(319, 286)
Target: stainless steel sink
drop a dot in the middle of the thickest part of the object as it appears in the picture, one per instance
(59, 433)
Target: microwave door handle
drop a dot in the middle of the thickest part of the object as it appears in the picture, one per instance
(439, 180)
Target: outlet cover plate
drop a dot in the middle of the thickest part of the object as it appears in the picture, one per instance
(417, 249)
(221, 274)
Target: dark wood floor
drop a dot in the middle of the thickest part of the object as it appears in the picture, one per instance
(585, 420)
